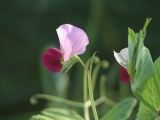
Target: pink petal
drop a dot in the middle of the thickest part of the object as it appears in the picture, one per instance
(73, 40)
(124, 76)
(51, 59)
(65, 44)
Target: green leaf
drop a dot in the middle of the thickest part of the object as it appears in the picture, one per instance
(57, 114)
(40, 117)
(131, 37)
(151, 94)
(144, 68)
(140, 62)
(148, 20)
(121, 111)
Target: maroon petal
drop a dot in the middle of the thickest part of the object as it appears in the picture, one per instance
(51, 59)
(124, 76)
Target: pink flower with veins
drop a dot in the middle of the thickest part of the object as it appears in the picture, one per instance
(123, 59)
(73, 41)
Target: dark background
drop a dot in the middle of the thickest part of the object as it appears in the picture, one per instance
(28, 27)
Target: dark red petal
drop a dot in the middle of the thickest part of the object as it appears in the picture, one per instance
(51, 59)
(124, 76)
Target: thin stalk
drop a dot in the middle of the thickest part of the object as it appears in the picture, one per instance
(103, 93)
(146, 24)
(105, 100)
(86, 111)
(104, 64)
(108, 101)
(99, 101)
(83, 64)
(85, 81)
(95, 73)
(91, 97)
(85, 92)
(102, 85)
(91, 90)
(34, 100)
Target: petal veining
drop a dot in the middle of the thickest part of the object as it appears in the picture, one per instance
(73, 40)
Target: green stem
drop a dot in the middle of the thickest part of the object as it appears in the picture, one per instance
(91, 97)
(94, 75)
(85, 86)
(91, 90)
(102, 85)
(34, 100)
(106, 100)
(99, 101)
(86, 111)
(103, 93)
(146, 24)
(104, 64)
(109, 101)
(86, 107)
(85, 89)
(139, 97)
(85, 81)
(83, 64)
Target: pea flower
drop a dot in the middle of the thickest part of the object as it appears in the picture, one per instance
(123, 59)
(73, 42)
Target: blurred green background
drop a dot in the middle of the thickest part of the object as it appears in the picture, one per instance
(28, 27)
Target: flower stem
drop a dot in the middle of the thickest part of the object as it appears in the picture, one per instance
(91, 97)
(88, 73)
(104, 64)
(85, 86)
(34, 100)
(94, 75)
(82, 64)
(85, 92)
(91, 90)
